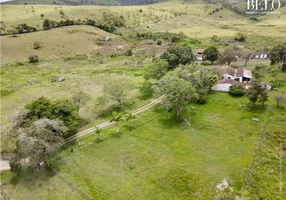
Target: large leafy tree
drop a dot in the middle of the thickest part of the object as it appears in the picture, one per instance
(278, 54)
(211, 54)
(257, 92)
(39, 142)
(156, 70)
(178, 92)
(176, 55)
(116, 90)
(229, 55)
(61, 109)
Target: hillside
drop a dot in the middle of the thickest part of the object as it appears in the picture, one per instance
(85, 2)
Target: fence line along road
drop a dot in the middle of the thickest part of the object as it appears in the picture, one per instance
(108, 123)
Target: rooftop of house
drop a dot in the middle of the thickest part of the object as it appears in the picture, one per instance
(232, 82)
(225, 69)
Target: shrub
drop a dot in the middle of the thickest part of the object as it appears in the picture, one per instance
(140, 10)
(37, 45)
(236, 91)
(15, 166)
(240, 37)
(159, 42)
(33, 59)
(174, 38)
(129, 52)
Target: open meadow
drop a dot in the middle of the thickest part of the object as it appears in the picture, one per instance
(154, 155)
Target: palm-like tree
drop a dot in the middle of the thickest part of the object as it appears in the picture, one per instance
(129, 117)
(98, 131)
(117, 118)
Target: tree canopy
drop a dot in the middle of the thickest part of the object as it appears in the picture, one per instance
(176, 55)
(278, 54)
(211, 54)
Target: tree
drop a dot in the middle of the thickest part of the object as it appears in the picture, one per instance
(117, 118)
(37, 45)
(63, 110)
(247, 54)
(42, 15)
(240, 37)
(236, 91)
(146, 89)
(211, 54)
(156, 70)
(80, 99)
(129, 52)
(279, 98)
(229, 55)
(98, 132)
(263, 96)
(129, 117)
(258, 72)
(176, 55)
(257, 92)
(39, 142)
(116, 90)
(33, 59)
(178, 92)
(159, 42)
(47, 24)
(62, 13)
(278, 54)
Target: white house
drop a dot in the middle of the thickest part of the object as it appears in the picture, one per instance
(240, 75)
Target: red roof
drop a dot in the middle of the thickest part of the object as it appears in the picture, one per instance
(233, 82)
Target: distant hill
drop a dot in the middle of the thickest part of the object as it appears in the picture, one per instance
(85, 2)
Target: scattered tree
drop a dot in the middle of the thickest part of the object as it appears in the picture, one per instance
(247, 54)
(62, 13)
(229, 55)
(178, 92)
(117, 118)
(116, 90)
(42, 15)
(38, 143)
(156, 70)
(147, 89)
(129, 117)
(279, 98)
(211, 54)
(236, 91)
(33, 59)
(98, 132)
(257, 92)
(37, 45)
(240, 37)
(129, 52)
(80, 99)
(176, 55)
(159, 42)
(278, 54)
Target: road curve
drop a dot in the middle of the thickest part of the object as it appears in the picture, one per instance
(108, 123)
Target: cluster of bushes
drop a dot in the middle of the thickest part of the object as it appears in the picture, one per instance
(161, 36)
(215, 10)
(63, 110)
(236, 91)
(49, 24)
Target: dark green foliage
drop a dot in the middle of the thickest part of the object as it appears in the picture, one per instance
(236, 91)
(146, 89)
(33, 59)
(257, 92)
(159, 42)
(61, 109)
(174, 38)
(211, 54)
(278, 54)
(129, 52)
(240, 37)
(24, 28)
(156, 70)
(176, 55)
(37, 45)
(15, 166)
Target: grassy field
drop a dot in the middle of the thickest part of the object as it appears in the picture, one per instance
(158, 158)
(161, 159)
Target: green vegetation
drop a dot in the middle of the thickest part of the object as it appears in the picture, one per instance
(106, 62)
